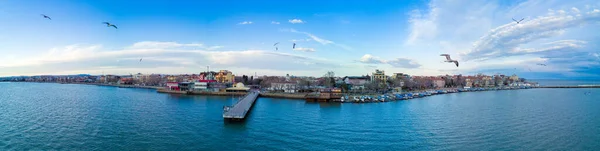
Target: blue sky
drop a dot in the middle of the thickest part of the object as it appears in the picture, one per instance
(348, 37)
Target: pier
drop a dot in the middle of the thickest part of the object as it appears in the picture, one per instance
(239, 110)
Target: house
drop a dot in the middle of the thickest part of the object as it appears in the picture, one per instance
(379, 75)
(287, 87)
(238, 87)
(439, 82)
(173, 86)
(225, 76)
(357, 82)
(125, 81)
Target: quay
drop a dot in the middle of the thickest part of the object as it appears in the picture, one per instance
(239, 110)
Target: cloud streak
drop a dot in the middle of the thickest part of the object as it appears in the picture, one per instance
(296, 21)
(245, 23)
(397, 62)
(318, 39)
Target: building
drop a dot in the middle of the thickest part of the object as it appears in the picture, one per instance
(185, 86)
(238, 87)
(379, 75)
(357, 82)
(438, 82)
(201, 85)
(225, 76)
(514, 78)
(287, 87)
(173, 86)
(216, 86)
(400, 75)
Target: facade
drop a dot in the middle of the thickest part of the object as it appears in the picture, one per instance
(200, 86)
(439, 82)
(185, 86)
(287, 87)
(379, 75)
(400, 75)
(225, 76)
(172, 85)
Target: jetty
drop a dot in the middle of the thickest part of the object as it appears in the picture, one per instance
(239, 110)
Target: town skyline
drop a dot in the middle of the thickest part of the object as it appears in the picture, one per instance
(361, 36)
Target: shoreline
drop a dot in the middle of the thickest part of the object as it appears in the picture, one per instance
(303, 96)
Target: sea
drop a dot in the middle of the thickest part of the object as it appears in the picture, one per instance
(46, 116)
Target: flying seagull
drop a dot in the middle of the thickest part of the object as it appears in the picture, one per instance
(541, 64)
(448, 59)
(294, 47)
(46, 16)
(109, 25)
(141, 59)
(276, 45)
(518, 21)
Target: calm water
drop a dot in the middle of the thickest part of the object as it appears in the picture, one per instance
(550, 82)
(81, 117)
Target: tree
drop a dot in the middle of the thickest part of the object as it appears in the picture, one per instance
(329, 80)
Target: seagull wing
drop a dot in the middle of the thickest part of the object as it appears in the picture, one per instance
(107, 24)
(456, 62)
(521, 20)
(275, 43)
(294, 47)
(515, 20)
(114, 26)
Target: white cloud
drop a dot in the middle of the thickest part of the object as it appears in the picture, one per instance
(398, 62)
(274, 22)
(304, 49)
(368, 58)
(93, 58)
(296, 21)
(245, 23)
(511, 36)
(403, 63)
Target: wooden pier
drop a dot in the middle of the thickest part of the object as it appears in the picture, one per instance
(239, 110)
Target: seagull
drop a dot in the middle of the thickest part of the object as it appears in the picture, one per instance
(46, 16)
(541, 64)
(448, 59)
(294, 47)
(108, 25)
(518, 21)
(141, 59)
(276, 45)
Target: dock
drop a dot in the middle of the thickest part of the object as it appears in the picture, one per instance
(239, 110)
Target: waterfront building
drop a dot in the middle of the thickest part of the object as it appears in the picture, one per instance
(357, 82)
(173, 86)
(379, 75)
(287, 87)
(185, 86)
(225, 76)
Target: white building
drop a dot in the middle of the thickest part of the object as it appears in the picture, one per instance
(287, 87)
(200, 86)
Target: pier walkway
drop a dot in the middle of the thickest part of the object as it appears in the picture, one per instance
(239, 110)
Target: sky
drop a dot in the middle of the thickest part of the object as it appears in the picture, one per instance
(349, 37)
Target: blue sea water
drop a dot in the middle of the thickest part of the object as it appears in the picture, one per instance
(37, 116)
